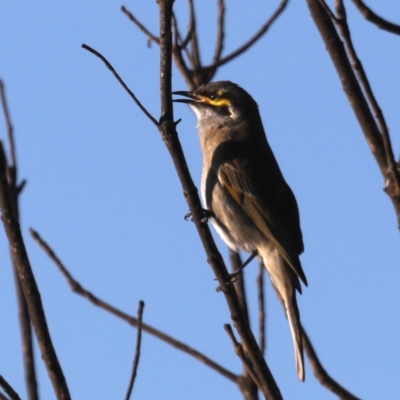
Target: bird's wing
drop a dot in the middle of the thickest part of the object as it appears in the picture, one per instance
(274, 211)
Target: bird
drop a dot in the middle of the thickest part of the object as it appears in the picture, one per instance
(251, 206)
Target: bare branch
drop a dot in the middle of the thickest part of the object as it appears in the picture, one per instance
(169, 135)
(137, 350)
(132, 18)
(27, 341)
(321, 374)
(28, 283)
(10, 130)
(236, 263)
(254, 39)
(241, 354)
(120, 80)
(8, 389)
(195, 59)
(357, 100)
(261, 307)
(380, 22)
(341, 21)
(24, 318)
(79, 289)
(220, 31)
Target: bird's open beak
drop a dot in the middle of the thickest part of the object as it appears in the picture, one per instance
(192, 98)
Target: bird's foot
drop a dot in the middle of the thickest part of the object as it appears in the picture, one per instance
(206, 215)
(234, 275)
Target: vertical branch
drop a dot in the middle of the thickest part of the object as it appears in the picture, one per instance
(341, 22)
(261, 307)
(248, 385)
(167, 129)
(28, 283)
(24, 318)
(355, 96)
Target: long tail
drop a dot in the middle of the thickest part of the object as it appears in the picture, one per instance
(285, 282)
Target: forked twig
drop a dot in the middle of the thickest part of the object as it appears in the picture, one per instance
(258, 35)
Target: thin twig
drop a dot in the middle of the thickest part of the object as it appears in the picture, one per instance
(254, 39)
(320, 372)
(392, 185)
(261, 307)
(79, 289)
(137, 350)
(220, 31)
(236, 263)
(29, 286)
(132, 18)
(8, 389)
(380, 22)
(10, 130)
(248, 385)
(241, 354)
(120, 80)
(195, 59)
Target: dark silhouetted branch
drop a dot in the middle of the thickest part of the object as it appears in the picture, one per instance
(380, 22)
(261, 32)
(192, 70)
(169, 135)
(8, 389)
(79, 289)
(220, 31)
(378, 141)
(132, 18)
(251, 391)
(241, 354)
(24, 318)
(393, 185)
(137, 350)
(121, 81)
(28, 283)
(261, 307)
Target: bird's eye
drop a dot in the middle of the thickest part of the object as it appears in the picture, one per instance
(213, 96)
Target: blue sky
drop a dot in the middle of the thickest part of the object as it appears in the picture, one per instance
(103, 192)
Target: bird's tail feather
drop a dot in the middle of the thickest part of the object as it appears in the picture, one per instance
(293, 316)
(284, 281)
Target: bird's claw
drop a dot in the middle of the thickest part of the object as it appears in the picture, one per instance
(207, 214)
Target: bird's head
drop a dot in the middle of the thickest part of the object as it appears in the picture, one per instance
(222, 99)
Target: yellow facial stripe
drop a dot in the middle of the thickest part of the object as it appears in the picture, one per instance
(218, 102)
